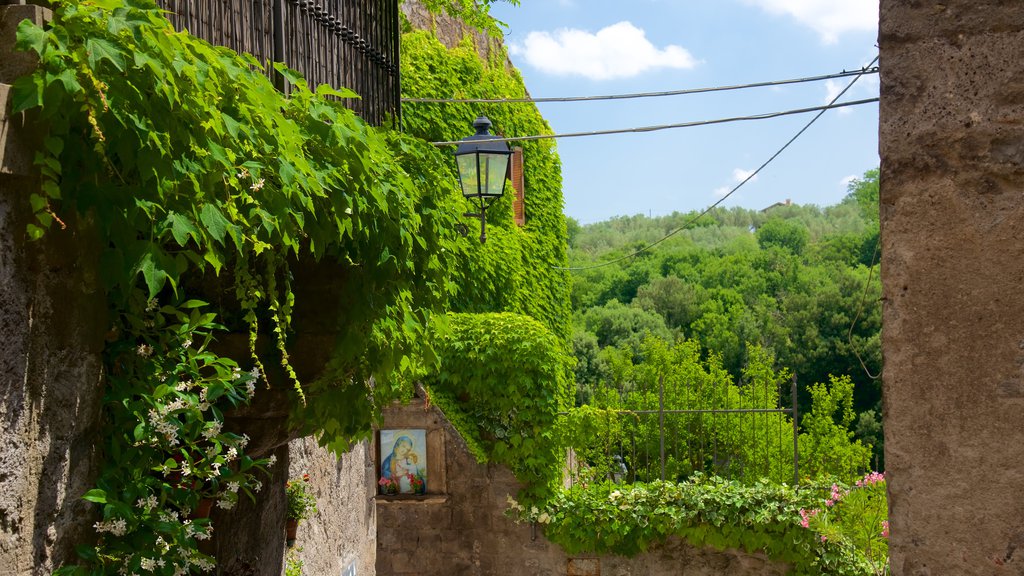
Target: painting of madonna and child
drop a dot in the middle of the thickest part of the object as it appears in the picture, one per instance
(403, 462)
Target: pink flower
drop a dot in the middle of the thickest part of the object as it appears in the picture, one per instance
(823, 538)
(885, 528)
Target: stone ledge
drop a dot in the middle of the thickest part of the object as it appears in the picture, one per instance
(429, 499)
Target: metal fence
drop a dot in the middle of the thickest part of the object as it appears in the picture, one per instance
(718, 433)
(344, 43)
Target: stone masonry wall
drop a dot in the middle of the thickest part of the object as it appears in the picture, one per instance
(952, 197)
(52, 325)
(464, 532)
(341, 539)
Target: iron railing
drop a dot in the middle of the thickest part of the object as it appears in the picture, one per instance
(343, 43)
(742, 439)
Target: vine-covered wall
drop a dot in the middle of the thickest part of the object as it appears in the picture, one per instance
(239, 230)
(517, 270)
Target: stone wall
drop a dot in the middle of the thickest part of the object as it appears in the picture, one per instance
(52, 326)
(341, 539)
(464, 531)
(952, 196)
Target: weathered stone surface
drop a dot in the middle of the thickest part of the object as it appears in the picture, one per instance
(952, 183)
(343, 533)
(16, 63)
(954, 20)
(249, 539)
(467, 533)
(52, 322)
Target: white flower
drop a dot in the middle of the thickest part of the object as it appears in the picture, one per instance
(116, 527)
(147, 503)
(257, 185)
(144, 350)
(233, 486)
(243, 174)
(212, 430)
(272, 460)
(186, 343)
(148, 564)
(544, 518)
(257, 485)
(232, 454)
(152, 305)
(225, 503)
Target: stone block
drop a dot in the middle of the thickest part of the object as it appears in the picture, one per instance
(911, 21)
(17, 138)
(15, 63)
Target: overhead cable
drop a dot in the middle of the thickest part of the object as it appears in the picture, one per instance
(728, 194)
(843, 74)
(819, 109)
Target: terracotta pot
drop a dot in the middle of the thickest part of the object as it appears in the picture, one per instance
(202, 509)
(291, 527)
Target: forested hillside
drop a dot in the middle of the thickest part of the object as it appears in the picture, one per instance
(791, 290)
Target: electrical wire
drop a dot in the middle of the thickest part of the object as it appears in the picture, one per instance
(843, 74)
(860, 310)
(728, 194)
(641, 129)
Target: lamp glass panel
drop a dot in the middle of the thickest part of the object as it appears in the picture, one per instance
(495, 168)
(468, 174)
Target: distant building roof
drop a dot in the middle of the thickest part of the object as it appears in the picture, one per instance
(787, 202)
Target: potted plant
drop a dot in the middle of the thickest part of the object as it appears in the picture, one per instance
(301, 505)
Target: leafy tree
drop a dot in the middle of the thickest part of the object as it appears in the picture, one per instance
(784, 234)
(827, 446)
(616, 324)
(677, 301)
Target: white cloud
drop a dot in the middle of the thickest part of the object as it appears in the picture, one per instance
(618, 51)
(829, 18)
(832, 89)
(739, 175)
(845, 182)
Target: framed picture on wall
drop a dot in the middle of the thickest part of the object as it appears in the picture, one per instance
(403, 462)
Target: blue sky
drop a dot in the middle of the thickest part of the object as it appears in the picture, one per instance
(594, 47)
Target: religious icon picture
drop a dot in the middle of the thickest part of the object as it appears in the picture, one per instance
(403, 462)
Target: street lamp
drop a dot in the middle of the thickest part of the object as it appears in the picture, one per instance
(482, 169)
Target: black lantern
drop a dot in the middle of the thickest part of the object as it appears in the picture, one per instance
(482, 167)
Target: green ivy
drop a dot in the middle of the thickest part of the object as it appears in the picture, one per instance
(503, 379)
(517, 270)
(475, 13)
(764, 517)
(188, 165)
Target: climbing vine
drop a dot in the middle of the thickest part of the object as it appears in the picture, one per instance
(517, 270)
(707, 511)
(187, 165)
(502, 380)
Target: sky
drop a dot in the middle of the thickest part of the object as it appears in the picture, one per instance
(597, 47)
